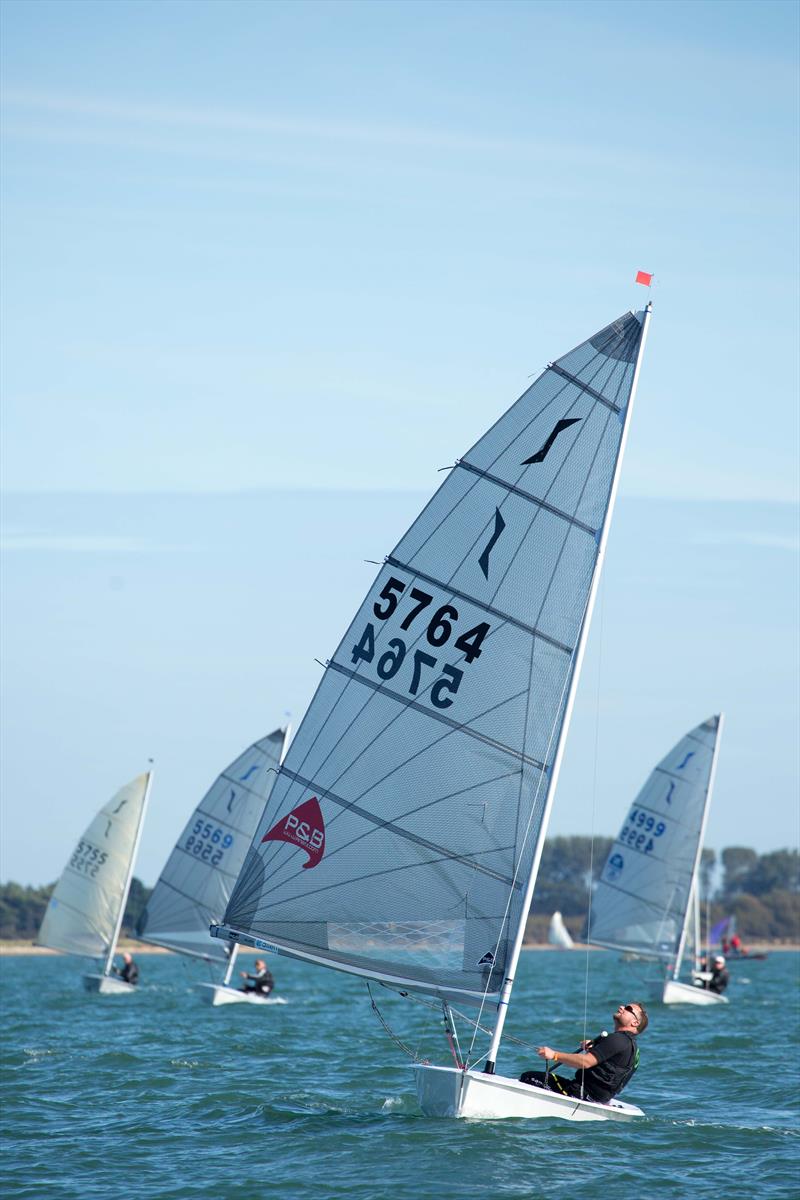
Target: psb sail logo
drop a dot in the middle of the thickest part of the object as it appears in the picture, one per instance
(303, 827)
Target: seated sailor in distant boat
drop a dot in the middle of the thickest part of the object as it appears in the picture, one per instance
(720, 978)
(129, 970)
(261, 982)
(605, 1064)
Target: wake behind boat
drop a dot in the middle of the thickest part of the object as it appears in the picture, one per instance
(403, 836)
(85, 912)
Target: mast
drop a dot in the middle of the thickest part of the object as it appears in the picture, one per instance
(508, 982)
(231, 961)
(700, 841)
(113, 947)
(235, 948)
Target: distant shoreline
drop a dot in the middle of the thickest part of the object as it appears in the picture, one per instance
(12, 948)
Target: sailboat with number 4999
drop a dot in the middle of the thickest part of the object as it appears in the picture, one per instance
(403, 835)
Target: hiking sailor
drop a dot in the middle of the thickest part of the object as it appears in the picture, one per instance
(719, 978)
(261, 983)
(129, 971)
(604, 1065)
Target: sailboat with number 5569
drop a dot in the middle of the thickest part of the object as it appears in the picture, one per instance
(402, 838)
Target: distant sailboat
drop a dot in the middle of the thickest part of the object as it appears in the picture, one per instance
(403, 836)
(195, 885)
(85, 912)
(558, 934)
(647, 902)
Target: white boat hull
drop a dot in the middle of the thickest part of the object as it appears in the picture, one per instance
(107, 985)
(687, 993)
(218, 993)
(449, 1092)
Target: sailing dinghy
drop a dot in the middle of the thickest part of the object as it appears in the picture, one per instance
(85, 912)
(194, 888)
(558, 934)
(647, 900)
(403, 835)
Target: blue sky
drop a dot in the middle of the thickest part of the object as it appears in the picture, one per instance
(311, 251)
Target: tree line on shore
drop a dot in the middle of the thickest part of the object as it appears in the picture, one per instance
(761, 890)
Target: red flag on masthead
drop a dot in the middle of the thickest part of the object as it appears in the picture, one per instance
(643, 277)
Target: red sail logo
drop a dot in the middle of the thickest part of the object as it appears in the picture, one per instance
(303, 827)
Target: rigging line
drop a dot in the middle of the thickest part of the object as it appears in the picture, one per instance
(598, 354)
(397, 1041)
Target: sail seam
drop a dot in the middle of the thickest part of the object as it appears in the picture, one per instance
(590, 391)
(351, 806)
(496, 612)
(518, 491)
(460, 728)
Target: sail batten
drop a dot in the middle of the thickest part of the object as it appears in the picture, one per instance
(487, 608)
(457, 682)
(642, 900)
(517, 491)
(584, 387)
(200, 873)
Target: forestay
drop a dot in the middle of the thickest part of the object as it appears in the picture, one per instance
(82, 915)
(194, 888)
(404, 824)
(643, 896)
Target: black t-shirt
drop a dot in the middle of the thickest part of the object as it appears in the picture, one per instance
(615, 1055)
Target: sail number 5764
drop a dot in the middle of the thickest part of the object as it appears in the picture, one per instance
(438, 632)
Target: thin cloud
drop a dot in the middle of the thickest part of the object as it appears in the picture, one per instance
(79, 543)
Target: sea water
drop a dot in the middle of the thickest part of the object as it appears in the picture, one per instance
(159, 1095)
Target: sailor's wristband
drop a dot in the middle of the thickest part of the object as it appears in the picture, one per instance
(555, 1056)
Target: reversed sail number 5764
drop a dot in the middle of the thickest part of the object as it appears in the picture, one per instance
(438, 633)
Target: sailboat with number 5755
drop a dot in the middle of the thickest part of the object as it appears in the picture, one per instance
(402, 838)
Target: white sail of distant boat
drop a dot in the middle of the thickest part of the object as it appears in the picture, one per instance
(403, 836)
(558, 934)
(647, 900)
(85, 912)
(195, 885)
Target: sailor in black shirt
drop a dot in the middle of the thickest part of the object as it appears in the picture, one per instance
(128, 971)
(719, 976)
(604, 1064)
(261, 983)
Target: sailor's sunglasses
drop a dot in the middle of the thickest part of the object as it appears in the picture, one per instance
(629, 1008)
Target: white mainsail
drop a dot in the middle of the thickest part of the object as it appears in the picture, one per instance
(558, 934)
(86, 908)
(403, 835)
(642, 901)
(195, 885)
